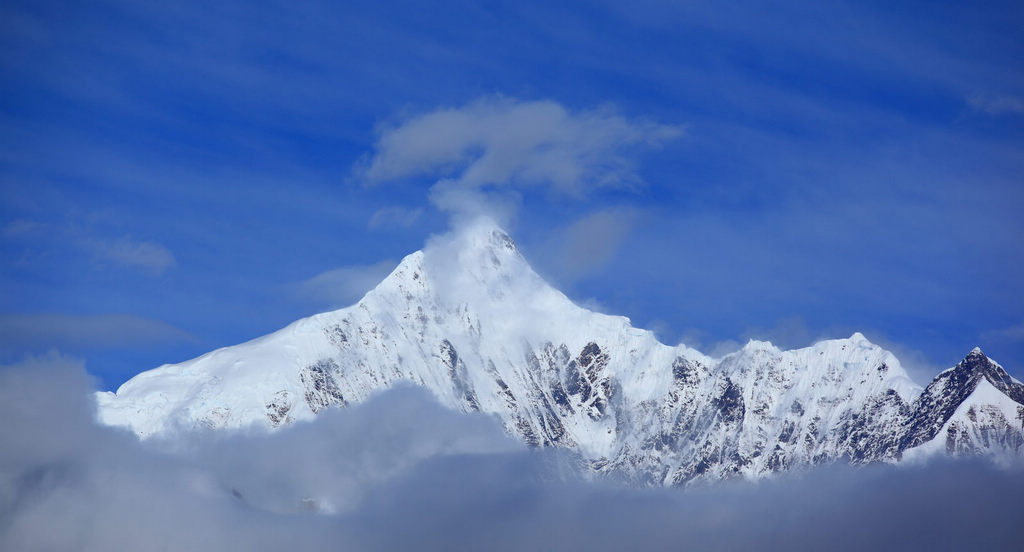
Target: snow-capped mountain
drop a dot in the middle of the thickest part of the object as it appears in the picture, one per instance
(468, 319)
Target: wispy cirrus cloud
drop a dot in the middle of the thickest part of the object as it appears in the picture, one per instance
(124, 252)
(20, 333)
(20, 227)
(390, 217)
(149, 256)
(1011, 334)
(996, 104)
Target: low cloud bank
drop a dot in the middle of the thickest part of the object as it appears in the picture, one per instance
(401, 472)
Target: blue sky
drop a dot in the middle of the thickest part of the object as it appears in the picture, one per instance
(176, 179)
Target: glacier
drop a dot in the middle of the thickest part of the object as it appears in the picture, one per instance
(468, 319)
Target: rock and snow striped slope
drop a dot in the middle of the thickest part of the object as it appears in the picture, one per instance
(468, 319)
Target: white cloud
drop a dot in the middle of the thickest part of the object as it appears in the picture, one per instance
(125, 251)
(19, 228)
(497, 142)
(1012, 334)
(996, 105)
(68, 484)
(589, 243)
(342, 286)
(394, 216)
(147, 255)
(81, 332)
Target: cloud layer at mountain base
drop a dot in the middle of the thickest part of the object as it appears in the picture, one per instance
(399, 472)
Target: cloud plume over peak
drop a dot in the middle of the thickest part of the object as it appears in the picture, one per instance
(498, 143)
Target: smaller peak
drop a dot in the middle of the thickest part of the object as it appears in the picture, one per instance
(976, 361)
(859, 341)
(976, 365)
(757, 345)
(856, 340)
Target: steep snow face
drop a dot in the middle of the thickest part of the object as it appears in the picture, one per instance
(468, 319)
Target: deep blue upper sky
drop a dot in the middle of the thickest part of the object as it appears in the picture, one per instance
(174, 179)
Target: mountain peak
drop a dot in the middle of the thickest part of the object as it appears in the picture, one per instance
(754, 345)
(483, 232)
(858, 337)
(976, 361)
(976, 366)
(478, 250)
(475, 247)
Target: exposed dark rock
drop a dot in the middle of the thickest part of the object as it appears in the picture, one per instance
(685, 372)
(729, 403)
(336, 335)
(321, 389)
(797, 408)
(449, 357)
(278, 409)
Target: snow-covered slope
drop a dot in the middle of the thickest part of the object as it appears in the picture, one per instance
(468, 319)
